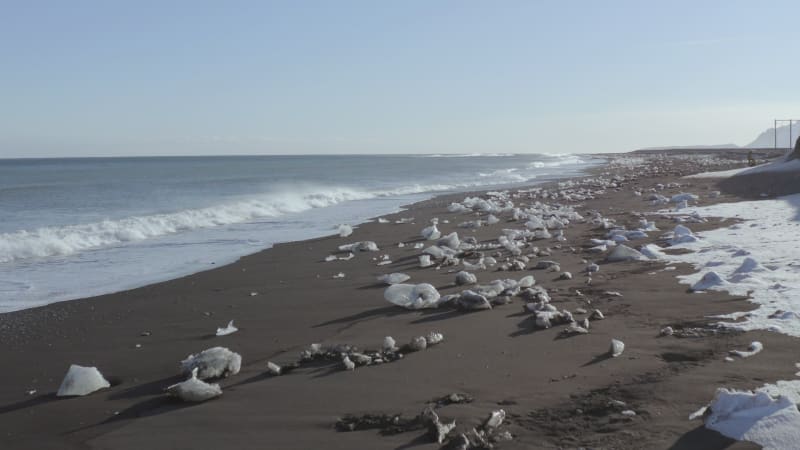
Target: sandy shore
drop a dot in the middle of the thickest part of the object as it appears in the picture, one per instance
(556, 391)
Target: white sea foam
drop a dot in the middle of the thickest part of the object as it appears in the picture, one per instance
(71, 239)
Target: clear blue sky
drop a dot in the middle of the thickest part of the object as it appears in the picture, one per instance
(210, 77)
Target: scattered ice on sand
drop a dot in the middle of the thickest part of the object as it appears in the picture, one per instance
(617, 347)
(230, 329)
(709, 281)
(624, 253)
(345, 230)
(413, 296)
(628, 413)
(194, 390)
(338, 275)
(330, 258)
(436, 428)
(754, 348)
(214, 362)
(667, 331)
(81, 381)
(393, 278)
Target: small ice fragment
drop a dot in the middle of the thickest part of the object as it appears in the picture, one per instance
(345, 230)
(338, 275)
(698, 414)
(230, 329)
(463, 278)
(425, 261)
(434, 338)
(754, 348)
(389, 344)
(273, 369)
(495, 419)
(330, 258)
(418, 343)
(194, 390)
(617, 347)
(628, 413)
(348, 364)
(393, 278)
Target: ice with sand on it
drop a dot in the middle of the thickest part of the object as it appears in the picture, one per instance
(194, 390)
(215, 362)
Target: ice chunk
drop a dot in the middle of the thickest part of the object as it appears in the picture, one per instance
(434, 338)
(393, 278)
(417, 344)
(345, 230)
(348, 364)
(473, 301)
(425, 261)
(273, 369)
(389, 344)
(616, 349)
(450, 241)
(772, 423)
(684, 197)
(361, 246)
(495, 419)
(194, 390)
(754, 348)
(81, 381)
(710, 280)
(652, 251)
(624, 253)
(431, 233)
(413, 296)
(463, 278)
(230, 329)
(214, 362)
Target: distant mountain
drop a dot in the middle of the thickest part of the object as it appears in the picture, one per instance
(767, 138)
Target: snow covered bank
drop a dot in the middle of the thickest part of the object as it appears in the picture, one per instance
(758, 257)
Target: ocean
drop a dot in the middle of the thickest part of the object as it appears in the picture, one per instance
(72, 228)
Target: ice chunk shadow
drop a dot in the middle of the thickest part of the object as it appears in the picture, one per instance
(702, 437)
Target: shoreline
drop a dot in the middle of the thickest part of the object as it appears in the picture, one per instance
(315, 223)
(492, 355)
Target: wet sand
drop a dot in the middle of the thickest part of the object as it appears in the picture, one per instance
(556, 391)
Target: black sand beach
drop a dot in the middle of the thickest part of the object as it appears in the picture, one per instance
(557, 392)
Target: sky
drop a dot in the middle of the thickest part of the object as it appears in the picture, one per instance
(113, 78)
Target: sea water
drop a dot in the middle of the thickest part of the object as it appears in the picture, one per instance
(72, 228)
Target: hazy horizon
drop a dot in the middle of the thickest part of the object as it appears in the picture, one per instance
(92, 78)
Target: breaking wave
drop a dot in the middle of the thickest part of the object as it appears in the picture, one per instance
(70, 239)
